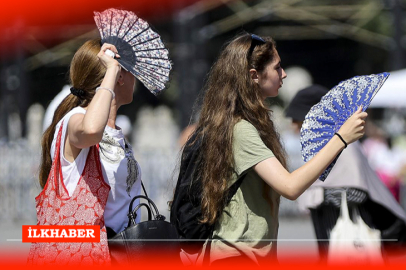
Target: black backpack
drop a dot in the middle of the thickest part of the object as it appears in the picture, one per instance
(186, 204)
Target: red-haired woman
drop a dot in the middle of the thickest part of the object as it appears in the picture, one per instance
(88, 172)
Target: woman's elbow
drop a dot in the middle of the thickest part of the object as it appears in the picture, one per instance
(93, 138)
(291, 193)
(87, 138)
(291, 197)
(93, 133)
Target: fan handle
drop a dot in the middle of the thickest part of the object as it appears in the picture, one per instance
(110, 53)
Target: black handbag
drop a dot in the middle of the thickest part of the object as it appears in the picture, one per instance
(140, 241)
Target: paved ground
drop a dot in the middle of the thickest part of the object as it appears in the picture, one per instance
(296, 238)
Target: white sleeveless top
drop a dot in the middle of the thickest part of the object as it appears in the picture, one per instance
(124, 177)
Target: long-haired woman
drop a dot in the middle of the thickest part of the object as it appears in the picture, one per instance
(238, 138)
(88, 172)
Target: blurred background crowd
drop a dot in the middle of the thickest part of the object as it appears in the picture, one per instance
(319, 41)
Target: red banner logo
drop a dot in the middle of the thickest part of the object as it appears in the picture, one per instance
(61, 233)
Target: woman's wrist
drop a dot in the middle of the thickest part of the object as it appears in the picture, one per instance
(342, 139)
(107, 89)
(335, 140)
(114, 69)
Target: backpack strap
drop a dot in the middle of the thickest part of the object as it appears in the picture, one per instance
(231, 192)
(234, 187)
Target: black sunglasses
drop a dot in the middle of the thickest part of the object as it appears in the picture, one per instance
(255, 41)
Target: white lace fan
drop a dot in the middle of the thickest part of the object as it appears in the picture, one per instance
(141, 49)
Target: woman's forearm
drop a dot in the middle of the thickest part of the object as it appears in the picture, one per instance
(98, 110)
(292, 185)
(306, 175)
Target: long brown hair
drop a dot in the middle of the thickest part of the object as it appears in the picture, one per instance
(230, 96)
(86, 73)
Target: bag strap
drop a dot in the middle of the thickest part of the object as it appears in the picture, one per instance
(231, 192)
(344, 208)
(234, 187)
(206, 258)
(151, 204)
(143, 188)
(157, 216)
(56, 168)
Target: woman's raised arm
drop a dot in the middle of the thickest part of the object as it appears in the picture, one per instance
(87, 130)
(292, 185)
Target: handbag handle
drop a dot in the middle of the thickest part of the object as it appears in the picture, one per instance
(145, 198)
(156, 215)
(133, 214)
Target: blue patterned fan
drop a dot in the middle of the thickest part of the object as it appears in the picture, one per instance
(141, 50)
(326, 117)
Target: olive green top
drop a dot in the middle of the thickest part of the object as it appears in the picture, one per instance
(249, 224)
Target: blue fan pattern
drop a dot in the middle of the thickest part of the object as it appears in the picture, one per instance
(326, 117)
(147, 59)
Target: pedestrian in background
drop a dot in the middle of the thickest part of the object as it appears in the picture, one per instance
(352, 173)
